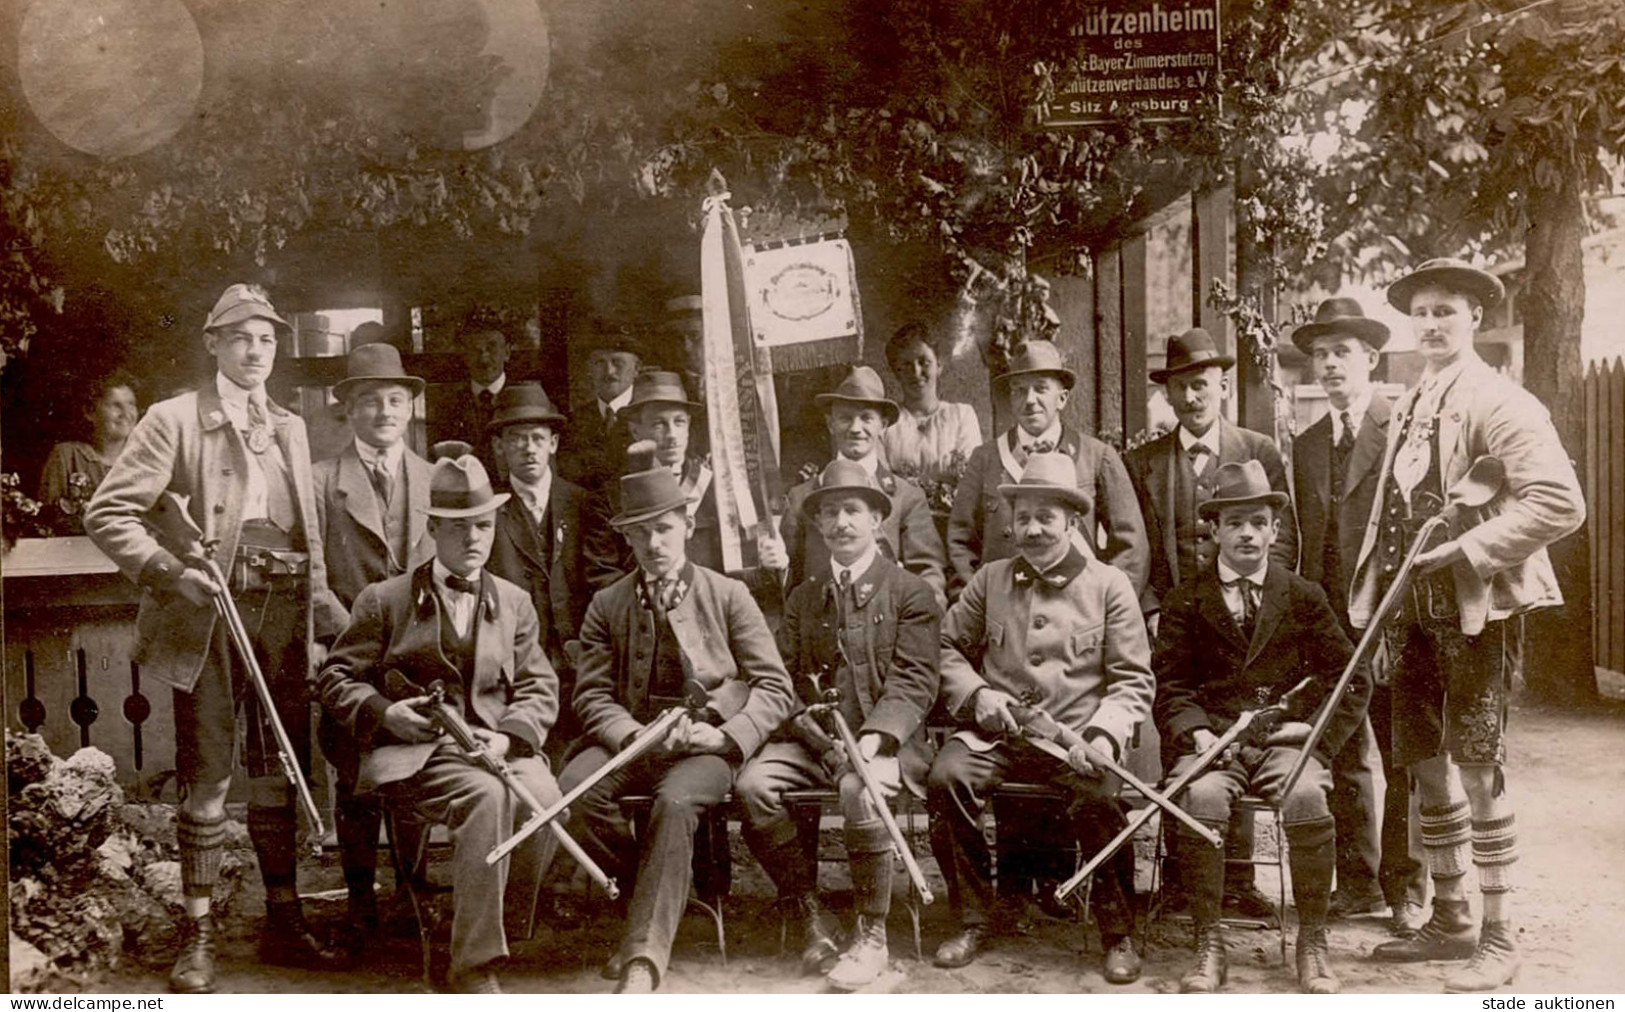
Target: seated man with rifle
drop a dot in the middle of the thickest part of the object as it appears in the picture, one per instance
(648, 642)
(450, 629)
(863, 630)
(1244, 631)
(1048, 637)
(212, 483)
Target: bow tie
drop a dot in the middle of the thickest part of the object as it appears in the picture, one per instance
(461, 583)
(1041, 446)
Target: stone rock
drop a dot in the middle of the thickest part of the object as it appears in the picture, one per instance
(162, 881)
(30, 969)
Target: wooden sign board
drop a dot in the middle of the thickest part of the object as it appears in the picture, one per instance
(1155, 59)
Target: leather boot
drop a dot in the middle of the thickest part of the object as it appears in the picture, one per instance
(286, 940)
(818, 948)
(1315, 974)
(1448, 934)
(1494, 962)
(194, 966)
(1212, 963)
(961, 949)
(865, 959)
(639, 977)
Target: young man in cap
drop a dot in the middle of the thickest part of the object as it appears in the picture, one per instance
(1055, 628)
(857, 412)
(1240, 635)
(243, 464)
(866, 627)
(603, 427)
(1334, 479)
(370, 503)
(1173, 475)
(452, 621)
(552, 538)
(643, 639)
(980, 530)
(1453, 642)
(460, 411)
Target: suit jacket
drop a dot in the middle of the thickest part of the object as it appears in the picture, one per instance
(594, 455)
(453, 413)
(909, 533)
(352, 526)
(1208, 671)
(187, 445)
(584, 558)
(1506, 571)
(1080, 647)
(1315, 498)
(725, 646)
(396, 627)
(890, 643)
(979, 529)
(1152, 468)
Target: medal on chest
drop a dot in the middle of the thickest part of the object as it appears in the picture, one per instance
(259, 440)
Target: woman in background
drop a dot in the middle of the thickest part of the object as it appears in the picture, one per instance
(931, 437)
(112, 413)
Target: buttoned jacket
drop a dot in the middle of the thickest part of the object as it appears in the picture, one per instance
(909, 533)
(1209, 670)
(188, 446)
(584, 557)
(1316, 499)
(1153, 468)
(396, 626)
(352, 523)
(724, 643)
(1079, 649)
(1506, 571)
(980, 526)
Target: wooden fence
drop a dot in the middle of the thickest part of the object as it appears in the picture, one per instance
(1605, 508)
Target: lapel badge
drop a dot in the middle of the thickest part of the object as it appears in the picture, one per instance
(888, 484)
(1023, 577)
(865, 589)
(259, 439)
(1262, 695)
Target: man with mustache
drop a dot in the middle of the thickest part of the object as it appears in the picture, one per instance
(242, 462)
(603, 426)
(371, 503)
(668, 622)
(857, 411)
(1058, 625)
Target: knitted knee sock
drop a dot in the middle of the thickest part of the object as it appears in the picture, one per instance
(1445, 832)
(273, 830)
(1495, 848)
(1313, 853)
(202, 844)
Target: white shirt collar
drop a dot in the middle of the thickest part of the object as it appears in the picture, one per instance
(535, 497)
(1356, 412)
(440, 574)
(859, 566)
(389, 456)
(1209, 439)
(1228, 575)
(1051, 435)
(871, 464)
(495, 387)
(618, 404)
(233, 397)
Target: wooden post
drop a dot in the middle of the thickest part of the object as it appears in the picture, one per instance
(1073, 299)
(1134, 335)
(1109, 343)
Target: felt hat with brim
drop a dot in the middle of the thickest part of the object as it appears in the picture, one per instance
(375, 363)
(459, 487)
(1038, 358)
(523, 403)
(842, 477)
(660, 387)
(648, 490)
(1242, 484)
(1340, 317)
(1453, 276)
(1194, 349)
(1050, 475)
(863, 388)
(244, 302)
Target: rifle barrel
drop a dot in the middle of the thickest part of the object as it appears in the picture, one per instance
(878, 797)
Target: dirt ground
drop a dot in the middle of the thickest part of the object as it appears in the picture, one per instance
(1567, 773)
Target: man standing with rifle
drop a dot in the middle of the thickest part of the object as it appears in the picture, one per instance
(1456, 636)
(451, 621)
(1056, 630)
(645, 638)
(867, 629)
(240, 465)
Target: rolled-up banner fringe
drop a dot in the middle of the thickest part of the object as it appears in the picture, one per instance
(758, 404)
(816, 354)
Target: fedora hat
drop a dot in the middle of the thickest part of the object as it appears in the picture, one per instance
(1194, 349)
(648, 490)
(1340, 315)
(1051, 474)
(244, 302)
(375, 363)
(459, 487)
(1452, 275)
(1240, 485)
(522, 402)
(861, 386)
(845, 477)
(657, 386)
(1039, 358)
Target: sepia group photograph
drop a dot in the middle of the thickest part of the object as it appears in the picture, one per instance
(812, 497)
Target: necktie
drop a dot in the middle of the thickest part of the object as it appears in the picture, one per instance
(460, 583)
(1249, 604)
(383, 482)
(1345, 442)
(1197, 452)
(487, 405)
(259, 426)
